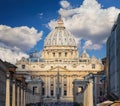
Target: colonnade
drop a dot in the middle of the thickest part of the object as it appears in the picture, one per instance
(18, 92)
(64, 85)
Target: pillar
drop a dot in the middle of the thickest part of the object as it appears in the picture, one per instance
(46, 86)
(7, 102)
(54, 86)
(85, 96)
(13, 93)
(24, 97)
(49, 90)
(40, 92)
(21, 96)
(88, 94)
(18, 94)
(70, 87)
(62, 86)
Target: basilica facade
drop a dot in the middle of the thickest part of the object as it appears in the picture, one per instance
(59, 65)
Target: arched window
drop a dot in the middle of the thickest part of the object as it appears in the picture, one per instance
(65, 85)
(64, 66)
(65, 54)
(51, 84)
(53, 54)
(59, 54)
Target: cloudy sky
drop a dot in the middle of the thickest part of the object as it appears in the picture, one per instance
(24, 24)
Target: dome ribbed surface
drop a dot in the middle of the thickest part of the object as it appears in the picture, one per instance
(60, 36)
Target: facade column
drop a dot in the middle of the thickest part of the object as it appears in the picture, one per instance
(28, 97)
(24, 97)
(49, 90)
(90, 93)
(62, 85)
(85, 96)
(7, 89)
(68, 86)
(18, 94)
(46, 87)
(41, 87)
(71, 86)
(13, 93)
(21, 96)
(54, 86)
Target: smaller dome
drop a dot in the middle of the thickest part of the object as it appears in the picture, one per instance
(34, 56)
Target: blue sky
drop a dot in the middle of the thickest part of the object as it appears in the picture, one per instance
(26, 23)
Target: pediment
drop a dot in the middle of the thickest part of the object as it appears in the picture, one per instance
(93, 59)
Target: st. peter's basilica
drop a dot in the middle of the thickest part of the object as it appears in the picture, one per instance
(59, 65)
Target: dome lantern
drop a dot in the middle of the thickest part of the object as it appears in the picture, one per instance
(60, 23)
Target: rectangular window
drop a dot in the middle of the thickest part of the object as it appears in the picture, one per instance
(65, 54)
(34, 89)
(93, 66)
(52, 93)
(84, 60)
(65, 93)
(23, 66)
(101, 93)
(53, 54)
(51, 84)
(64, 66)
(59, 54)
(43, 91)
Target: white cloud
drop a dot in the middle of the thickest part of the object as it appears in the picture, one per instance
(51, 25)
(11, 56)
(14, 42)
(65, 4)
(89, 45)
(23, 37)
(89, 21)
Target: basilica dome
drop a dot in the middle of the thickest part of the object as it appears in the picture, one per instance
(60, 36)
